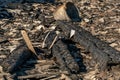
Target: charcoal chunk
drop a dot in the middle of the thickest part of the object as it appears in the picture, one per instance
(16, 59)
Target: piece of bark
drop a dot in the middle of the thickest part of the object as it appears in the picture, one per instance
(29, 44)
(100, 50)
(68, 12)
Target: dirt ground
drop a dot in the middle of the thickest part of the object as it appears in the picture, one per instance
(100, 17)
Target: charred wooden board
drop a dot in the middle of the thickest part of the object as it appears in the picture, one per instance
(100, 50)
(16, 59)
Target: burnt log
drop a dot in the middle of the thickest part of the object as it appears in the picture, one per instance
(16, 59)
(65, 59)
(102, 53)
(60, 50)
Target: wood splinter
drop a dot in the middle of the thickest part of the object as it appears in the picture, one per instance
(28, 42)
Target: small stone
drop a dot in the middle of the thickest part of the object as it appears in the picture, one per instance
(83, 23)
(90, 75)
(92, 6)
(52, 27)
(113, 44)
(65, 77)
(101, 20)
(1, 69)
(2, 56)
(40, 27)
(118, 48)
(118, 30)
(86, 20)
(37, 22)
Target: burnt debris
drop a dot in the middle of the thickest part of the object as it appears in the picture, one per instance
(64, 51)
(16, 59)
(55, 49)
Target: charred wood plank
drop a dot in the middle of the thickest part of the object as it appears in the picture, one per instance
(100, 50)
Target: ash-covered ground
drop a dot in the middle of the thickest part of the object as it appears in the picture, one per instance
(100, 17)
